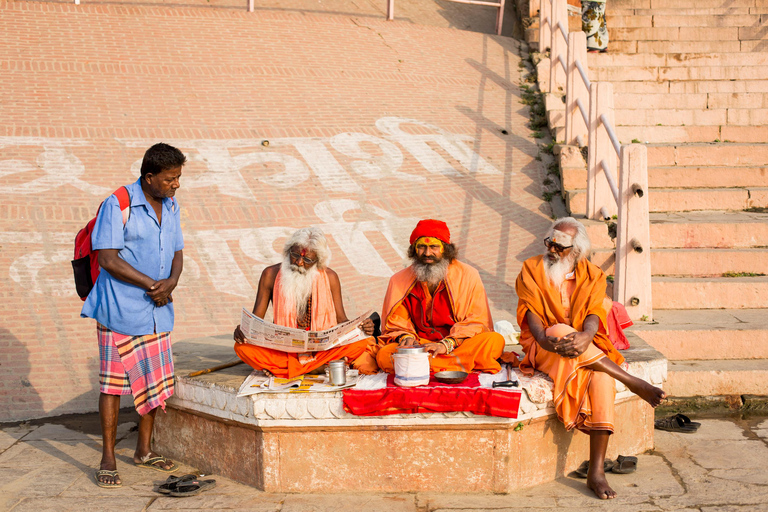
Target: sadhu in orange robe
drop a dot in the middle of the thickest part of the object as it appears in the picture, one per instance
(583, 398)
(323, 316)
(458, 309)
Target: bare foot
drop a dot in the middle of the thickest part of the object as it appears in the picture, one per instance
(647, 392)
(599, 485)
(110, 465)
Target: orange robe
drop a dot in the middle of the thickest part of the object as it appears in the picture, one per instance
(478, 346)
(323, 316)
(583, 398)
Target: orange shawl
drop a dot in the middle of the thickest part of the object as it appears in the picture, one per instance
(468, 303)
(323, 309)
(587, 299)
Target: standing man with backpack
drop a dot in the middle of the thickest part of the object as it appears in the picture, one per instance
(140, 254)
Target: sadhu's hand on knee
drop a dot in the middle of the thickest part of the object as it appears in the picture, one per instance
(575, 343)
(239, 336)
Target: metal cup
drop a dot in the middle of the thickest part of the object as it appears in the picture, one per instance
(337, 372)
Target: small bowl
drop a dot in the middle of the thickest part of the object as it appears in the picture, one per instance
(450, 377)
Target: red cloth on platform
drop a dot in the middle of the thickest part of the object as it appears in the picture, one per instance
(618, 320)
(435, 397)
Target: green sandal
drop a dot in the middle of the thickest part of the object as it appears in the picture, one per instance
(152, 463)
(107, 472)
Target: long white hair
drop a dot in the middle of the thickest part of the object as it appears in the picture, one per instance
(582, 247)
(297, 281)
(311, 239)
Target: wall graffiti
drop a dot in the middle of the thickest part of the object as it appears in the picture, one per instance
(225, 163)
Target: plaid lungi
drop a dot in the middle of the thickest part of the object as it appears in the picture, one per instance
(138, 365)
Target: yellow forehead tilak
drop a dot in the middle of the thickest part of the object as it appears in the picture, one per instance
(427, 241)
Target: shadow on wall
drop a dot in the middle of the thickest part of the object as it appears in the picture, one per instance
(478, 18)
(18, 398)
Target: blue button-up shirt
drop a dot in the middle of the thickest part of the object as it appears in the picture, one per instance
(148, 246)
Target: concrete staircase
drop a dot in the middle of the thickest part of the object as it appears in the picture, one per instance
(690, 79)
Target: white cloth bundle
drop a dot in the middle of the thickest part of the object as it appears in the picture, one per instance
(411, 369)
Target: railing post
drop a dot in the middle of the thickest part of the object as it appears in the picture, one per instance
(250, 5)
(558, 46)
(545, 25)
(575, 89)
(390, 10)
(601, 148)
(500, 18)
(632, 286)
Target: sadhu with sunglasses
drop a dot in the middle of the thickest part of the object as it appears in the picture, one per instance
(305, 294)
(564, 333)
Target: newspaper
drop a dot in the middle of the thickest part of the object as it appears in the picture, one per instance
(258, 331)
(258, 382)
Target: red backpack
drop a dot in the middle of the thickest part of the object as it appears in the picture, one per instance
(86, 263)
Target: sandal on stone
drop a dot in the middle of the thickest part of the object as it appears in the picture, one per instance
(110, 473)
(153, 463)
(625, 465)
(583, 469)
(675, 424)
(192, 488)
(687, 421)
(173, 481)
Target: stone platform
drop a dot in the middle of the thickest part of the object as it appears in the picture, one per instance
(308, 443)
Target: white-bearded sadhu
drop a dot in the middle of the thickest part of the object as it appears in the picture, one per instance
(440, 303)
(564, 334)
(305, 294)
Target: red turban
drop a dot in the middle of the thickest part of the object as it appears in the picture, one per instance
(434, 228)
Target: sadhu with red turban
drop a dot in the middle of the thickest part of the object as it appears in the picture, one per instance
(440, 303)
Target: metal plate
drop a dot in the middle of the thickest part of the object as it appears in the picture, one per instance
(450, 377)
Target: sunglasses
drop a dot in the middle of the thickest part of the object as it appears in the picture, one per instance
(296, 256)
(554, 245)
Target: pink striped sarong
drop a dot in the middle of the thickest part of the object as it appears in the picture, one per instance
(139, 365)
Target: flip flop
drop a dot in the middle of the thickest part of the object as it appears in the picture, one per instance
(192, 488)
(674, 424)
(173, 481)
(625, 465)
(106, 472)
(583, 469)
(152, 463)
(687, 421)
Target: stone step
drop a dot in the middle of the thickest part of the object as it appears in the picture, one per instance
(714, 88)
(598, 72)
(686, 33)
(708, 229)
(669, 134)
(694, 262)
(685, 4)
(714, 11)
(691, 230)
(684, 177)
(693, 334)
(638, 47)
(597, 61)
(636, 20)
(708, 154)
(688, 199)
(710, 293)
(712, 116)
(717, 377)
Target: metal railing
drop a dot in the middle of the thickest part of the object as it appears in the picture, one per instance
(498, 4)
(589, 121)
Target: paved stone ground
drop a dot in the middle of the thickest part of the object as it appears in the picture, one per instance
(720, 468)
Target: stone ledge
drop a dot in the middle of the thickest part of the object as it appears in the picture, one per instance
(307, 443)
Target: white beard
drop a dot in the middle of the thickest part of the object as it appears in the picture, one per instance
(556, 271)
(296, 285)
(431, 274)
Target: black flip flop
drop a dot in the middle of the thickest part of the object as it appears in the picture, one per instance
(687, 421)
(172, 481)
(625, 465)
(674, 424)
(583, 469)
(192, 488)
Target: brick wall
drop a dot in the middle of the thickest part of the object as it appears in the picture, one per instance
(372, 125)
